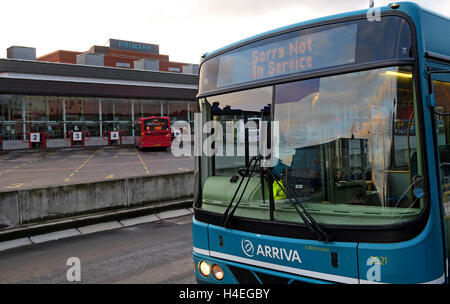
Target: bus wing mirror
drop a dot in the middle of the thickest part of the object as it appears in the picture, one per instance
(418, 192)
(431, 101)
(418, 186)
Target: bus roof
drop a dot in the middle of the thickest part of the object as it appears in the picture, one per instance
(410, 8)
(153, 117)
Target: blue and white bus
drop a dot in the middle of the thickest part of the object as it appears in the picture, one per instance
(360, 189)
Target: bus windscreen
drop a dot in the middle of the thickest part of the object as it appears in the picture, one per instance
(156, 124)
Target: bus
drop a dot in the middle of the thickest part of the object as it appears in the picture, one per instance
(153, 132)
(357, 189)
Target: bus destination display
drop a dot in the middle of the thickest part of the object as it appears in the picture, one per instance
(297, 53)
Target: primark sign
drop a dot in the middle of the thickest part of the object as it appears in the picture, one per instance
(133, 46)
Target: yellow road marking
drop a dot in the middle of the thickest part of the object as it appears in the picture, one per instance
(20, 166)
(80, 167)
(142, 161)
(15, 186)
(109, 176)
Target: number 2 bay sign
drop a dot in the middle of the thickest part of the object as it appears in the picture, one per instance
(35, 137)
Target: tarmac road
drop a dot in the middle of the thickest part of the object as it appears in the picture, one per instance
(153, 253)
(43, 168)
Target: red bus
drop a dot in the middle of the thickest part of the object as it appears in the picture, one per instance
(153, 132)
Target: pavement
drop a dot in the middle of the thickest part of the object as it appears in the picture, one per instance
(94, 228)
(29, 169)
(155, 250)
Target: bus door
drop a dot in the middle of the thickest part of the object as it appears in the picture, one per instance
(439, 86)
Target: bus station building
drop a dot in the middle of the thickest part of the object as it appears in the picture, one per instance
(103, 89)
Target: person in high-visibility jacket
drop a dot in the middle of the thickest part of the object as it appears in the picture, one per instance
(278, 193)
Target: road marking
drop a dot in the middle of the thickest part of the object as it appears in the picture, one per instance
(80, 167)
(109, 176)
(20, 166)
(15, 186)
(142, 161)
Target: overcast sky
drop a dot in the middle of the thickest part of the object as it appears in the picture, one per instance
(184, 29)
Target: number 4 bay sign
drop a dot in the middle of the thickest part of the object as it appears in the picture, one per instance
(35, 137)
(114, 135)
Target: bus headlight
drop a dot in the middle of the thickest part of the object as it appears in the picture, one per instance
(204, 268)
(217, 272)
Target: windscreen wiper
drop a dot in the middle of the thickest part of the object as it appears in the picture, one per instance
(226, 217)
(309, 221)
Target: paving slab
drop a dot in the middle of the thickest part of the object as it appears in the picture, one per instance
(172, 213)
(140, 220)
(14, 243)
(52, 236)
(99, 227)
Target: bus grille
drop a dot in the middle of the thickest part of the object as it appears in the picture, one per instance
(245, 276)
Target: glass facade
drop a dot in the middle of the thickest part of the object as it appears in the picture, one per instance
(58, 114)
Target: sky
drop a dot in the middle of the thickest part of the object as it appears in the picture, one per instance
(183, 29)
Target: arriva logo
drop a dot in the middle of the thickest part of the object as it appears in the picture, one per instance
(269, 252)
(248, 248)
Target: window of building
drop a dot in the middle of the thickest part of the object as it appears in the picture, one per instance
(35, 108)
(177, 110)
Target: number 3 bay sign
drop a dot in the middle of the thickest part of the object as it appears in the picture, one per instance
(77, 136)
